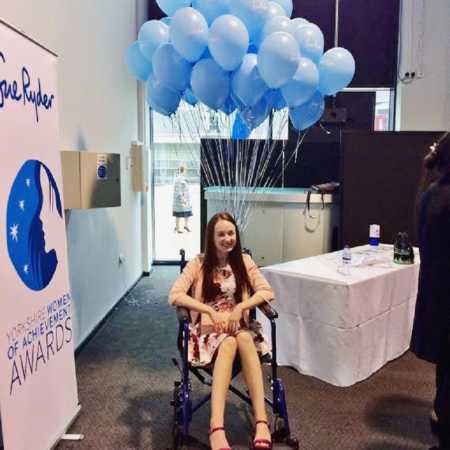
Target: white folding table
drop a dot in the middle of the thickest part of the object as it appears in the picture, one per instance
(340, 327)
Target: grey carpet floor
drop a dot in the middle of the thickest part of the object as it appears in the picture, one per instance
(125, 379)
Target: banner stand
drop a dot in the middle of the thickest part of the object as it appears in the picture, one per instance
(69, 437)
(36, 308)
(62, 437)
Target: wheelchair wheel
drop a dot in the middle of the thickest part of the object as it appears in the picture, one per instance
(179, 402)
(280, 433)
(177, 440)
(293, 443)
(277, 428)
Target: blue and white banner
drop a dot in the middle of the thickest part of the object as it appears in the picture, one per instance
(38, 390)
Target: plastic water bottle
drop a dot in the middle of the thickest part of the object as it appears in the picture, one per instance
(346, 260)
(374, 234)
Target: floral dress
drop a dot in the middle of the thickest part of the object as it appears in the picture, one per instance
(202, 347)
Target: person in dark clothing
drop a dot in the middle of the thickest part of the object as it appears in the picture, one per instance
(431, 329)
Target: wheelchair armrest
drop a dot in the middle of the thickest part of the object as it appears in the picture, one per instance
(268, 311)
(183, 314)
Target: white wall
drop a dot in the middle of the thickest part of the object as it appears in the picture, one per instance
(98, 105)
(424, 103)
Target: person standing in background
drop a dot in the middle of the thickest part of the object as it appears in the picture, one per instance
(431, 329)
(182, 207)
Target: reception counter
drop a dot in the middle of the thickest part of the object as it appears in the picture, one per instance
(280, 226)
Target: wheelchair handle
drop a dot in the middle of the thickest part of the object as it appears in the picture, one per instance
(268, 311)
(183, 314)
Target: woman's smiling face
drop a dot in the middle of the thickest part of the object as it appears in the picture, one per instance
(224, 237)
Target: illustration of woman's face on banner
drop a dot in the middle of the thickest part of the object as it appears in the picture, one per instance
(34, 213)
(50, 217)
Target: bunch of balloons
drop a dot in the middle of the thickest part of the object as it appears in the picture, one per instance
(244, 55)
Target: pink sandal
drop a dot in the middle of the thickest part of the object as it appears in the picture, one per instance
(213, 430)
(262, 444)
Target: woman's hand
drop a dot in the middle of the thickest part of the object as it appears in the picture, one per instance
(220, 320)
(235, 318)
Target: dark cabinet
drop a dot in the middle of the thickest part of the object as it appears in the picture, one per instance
(368, 29)
(153, 11)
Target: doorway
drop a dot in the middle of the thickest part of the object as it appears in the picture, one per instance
(176, 192)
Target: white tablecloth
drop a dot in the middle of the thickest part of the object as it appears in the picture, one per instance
(342, 328)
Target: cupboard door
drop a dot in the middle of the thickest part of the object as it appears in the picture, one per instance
(264, 234)
(369, 30)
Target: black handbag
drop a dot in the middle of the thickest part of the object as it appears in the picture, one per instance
(322, 189)
(325, 188)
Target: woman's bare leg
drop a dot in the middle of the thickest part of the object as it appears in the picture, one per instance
(223, 367)
(251, 368)
(178, 226)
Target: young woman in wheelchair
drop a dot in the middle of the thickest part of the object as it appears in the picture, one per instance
(219, 288)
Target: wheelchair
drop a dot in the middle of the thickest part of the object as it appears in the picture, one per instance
(182, 402)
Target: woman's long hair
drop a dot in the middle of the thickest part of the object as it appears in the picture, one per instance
(435, 164)
(235, 259)
(437, 161)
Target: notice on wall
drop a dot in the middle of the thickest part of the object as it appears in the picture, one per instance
(38, 391)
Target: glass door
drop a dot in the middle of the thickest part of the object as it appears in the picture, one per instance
(176, 191)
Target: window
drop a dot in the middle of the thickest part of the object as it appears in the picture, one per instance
(383, 110)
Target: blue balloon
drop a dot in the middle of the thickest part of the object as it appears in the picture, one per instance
(310, 40)
(278, 23)
(275, 99)
(171, 6)
(170, 68)
(210, 83)
(253, 13)
(298, 22)
(275, 10)
(166, 20)
(239, 105)
(278, 59)
(308, 114)
(138, 65)
(246, 82)
(211, 9)
(286, 5)
(303, 84)
(189, 33)
(206, 54)
(240, 129)
(255, 115)
(336, 68)
(161, 98)
(229, 106)
(151, 35)
(189, 97)
(228, 41)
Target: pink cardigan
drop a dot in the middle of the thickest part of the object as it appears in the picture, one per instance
(192, 279)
